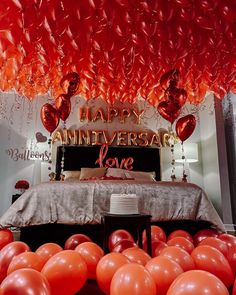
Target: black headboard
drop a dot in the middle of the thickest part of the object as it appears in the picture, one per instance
(76, 157)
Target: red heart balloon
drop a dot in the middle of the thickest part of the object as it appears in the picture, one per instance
(179, 95)
(63, 105)
(185, 127)
(169, 78)
(169, 110)
(69, 83)
(49, 117)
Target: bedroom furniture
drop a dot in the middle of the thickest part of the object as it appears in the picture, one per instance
(139, 222)
(52, 211)
(76, 157)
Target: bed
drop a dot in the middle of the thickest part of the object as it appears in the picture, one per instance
(54, 210)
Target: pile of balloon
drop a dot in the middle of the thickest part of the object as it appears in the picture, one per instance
(120, 47)
(51, 114)
(181, 263)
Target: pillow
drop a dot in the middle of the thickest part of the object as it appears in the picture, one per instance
(141, 175)
(116, 172)
(71, 174)
(104, 178)
(92, 172)
(130, 174)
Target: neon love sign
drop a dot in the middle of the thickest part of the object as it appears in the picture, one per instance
(125, 163)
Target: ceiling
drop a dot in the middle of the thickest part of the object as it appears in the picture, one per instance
(121, 49)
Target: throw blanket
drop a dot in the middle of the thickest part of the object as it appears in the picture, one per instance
(82, 202)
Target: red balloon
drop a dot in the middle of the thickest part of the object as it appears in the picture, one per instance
(202, 234)
(6, 237)
(156, 233)
(180, 233)
(169, 79)
(197, 282)
(49, 117)
(63, 105)
(70, 83)
(66, 272)
(169, 110)
(132, 279)
(179, 255)
(91, 253)
(25, 260)
(158, 247)
(121, 245)
(216, 243)
(177, 95)
(182, 243)
(234, 288)
(73, 241)
(137, 255)
(185, 127)
(228, 238)
(212, 260)
(231, 257)
(25, 282)
(117, 235)
(106, 268)
(7, 253)
(47, 250)
(164, 271)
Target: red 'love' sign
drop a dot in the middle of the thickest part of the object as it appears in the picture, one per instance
(125, 163)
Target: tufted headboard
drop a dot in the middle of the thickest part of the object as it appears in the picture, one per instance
(76, 157)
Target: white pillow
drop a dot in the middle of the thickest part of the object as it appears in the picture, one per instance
(141, 175)
(137, 175)
(116, 172)
(71, 174)
(92, 172)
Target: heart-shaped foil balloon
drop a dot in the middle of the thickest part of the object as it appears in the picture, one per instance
(169, 110)
(70, 83)
(49, 117)
(185, 127)
(178, 95)
(169, 79)
(63, 105)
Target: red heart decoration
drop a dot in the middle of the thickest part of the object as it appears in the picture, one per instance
(40, 137)
(185, 127)
(179, 95)
(70, 83)
(63, 105)
(49, 117)
(169, 78)
(169, 110)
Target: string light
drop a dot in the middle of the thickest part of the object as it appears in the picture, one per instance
(184, 177)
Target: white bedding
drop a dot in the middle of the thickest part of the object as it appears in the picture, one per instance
(81, 202)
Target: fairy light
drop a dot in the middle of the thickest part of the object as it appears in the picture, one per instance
(171, 142)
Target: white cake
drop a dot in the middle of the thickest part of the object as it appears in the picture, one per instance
(124, 204)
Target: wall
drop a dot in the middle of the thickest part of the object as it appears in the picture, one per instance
(22, 131)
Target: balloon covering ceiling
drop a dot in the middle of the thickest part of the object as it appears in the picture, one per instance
(120, 48)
